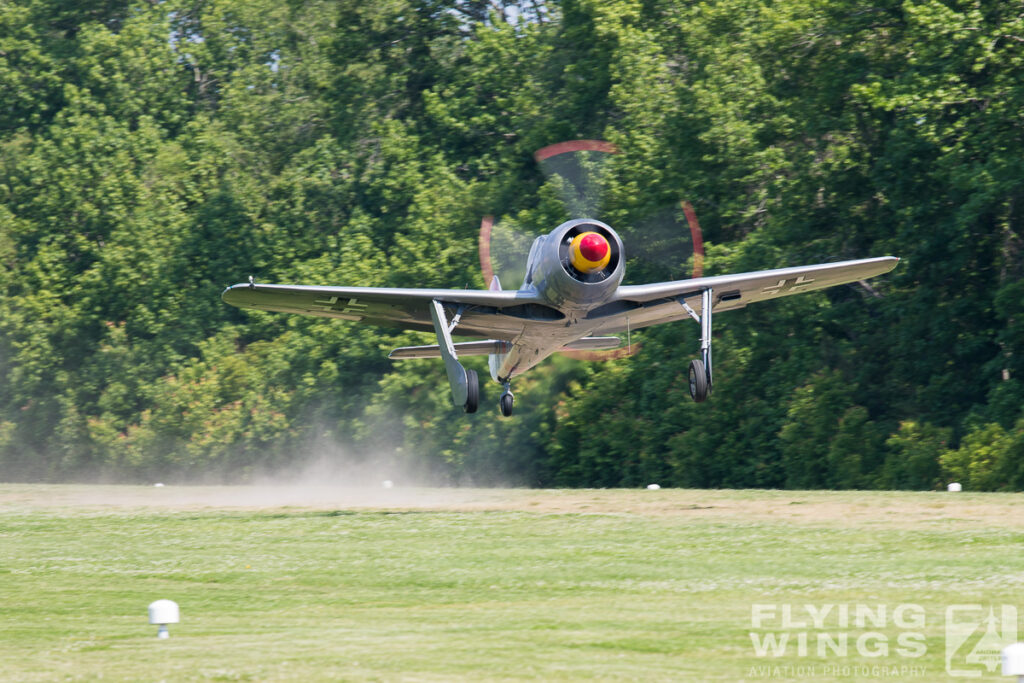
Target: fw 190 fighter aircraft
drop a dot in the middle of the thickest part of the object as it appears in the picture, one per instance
(571, 299)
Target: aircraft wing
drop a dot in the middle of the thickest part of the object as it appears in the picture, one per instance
(403, 308)
(645, 305)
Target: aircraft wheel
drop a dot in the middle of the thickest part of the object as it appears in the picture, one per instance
(472, 391)
(505, 403)
(698, 381)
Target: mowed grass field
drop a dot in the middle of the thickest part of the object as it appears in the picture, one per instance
(325, 584)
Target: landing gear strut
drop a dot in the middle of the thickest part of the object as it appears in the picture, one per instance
(464, 383)
(506, 401)
(700, 370)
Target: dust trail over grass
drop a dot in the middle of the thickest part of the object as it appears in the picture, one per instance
(319, 490)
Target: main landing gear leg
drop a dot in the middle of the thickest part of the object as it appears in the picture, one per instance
(506, 401)
(700, 370)
(465, 384)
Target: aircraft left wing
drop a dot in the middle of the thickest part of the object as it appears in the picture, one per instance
(636, 306)
(405, 308)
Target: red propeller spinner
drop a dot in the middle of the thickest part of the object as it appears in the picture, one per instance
(589, 252)
(595, 250)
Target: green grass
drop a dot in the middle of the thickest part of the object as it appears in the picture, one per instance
(483, 585)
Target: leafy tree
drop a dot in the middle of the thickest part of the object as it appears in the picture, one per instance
(152, 153)
(913, 458)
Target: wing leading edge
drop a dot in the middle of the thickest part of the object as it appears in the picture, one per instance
(404, 308)
(503, 315)
(639, 306)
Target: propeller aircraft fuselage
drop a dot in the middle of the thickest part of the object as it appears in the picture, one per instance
(572, 298)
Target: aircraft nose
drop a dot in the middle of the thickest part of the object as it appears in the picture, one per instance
(589, 252)
(593, 247)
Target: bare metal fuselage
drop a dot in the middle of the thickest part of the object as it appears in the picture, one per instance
(571, 296)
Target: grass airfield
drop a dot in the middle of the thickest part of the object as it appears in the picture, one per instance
(326, 583)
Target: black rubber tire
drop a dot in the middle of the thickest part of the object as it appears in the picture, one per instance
(505, 404)
(472, 391)
(698, 381)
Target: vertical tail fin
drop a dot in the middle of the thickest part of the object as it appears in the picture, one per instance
(495, 286)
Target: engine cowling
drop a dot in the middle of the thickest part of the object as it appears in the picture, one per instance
(580, 263)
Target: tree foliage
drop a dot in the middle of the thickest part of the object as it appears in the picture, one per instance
(153, 153)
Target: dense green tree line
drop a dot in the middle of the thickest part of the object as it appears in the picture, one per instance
(152, 153)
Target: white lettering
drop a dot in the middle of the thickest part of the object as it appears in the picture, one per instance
(801, 643)
(863, 614)
(818, 616)
(911, 645)
(776, 646)
(787, 618)
(759, 612)
(838, 644)
(909, 616)
(881, 644)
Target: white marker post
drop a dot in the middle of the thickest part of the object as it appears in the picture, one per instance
(163, 612)
(1013, 661)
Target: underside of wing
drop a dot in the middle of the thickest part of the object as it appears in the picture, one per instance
(637, 306)
(498, 315)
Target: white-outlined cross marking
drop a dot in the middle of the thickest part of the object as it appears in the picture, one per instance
(350, 307)
(788, 285)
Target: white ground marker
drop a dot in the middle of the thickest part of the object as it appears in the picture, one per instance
(163, 612)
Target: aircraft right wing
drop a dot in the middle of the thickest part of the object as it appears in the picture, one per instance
(636, 306)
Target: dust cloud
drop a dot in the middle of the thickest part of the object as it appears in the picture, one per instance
(322, 473)
(923, 511)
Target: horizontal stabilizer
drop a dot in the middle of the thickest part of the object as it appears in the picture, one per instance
(593, 344)
(471, 348)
